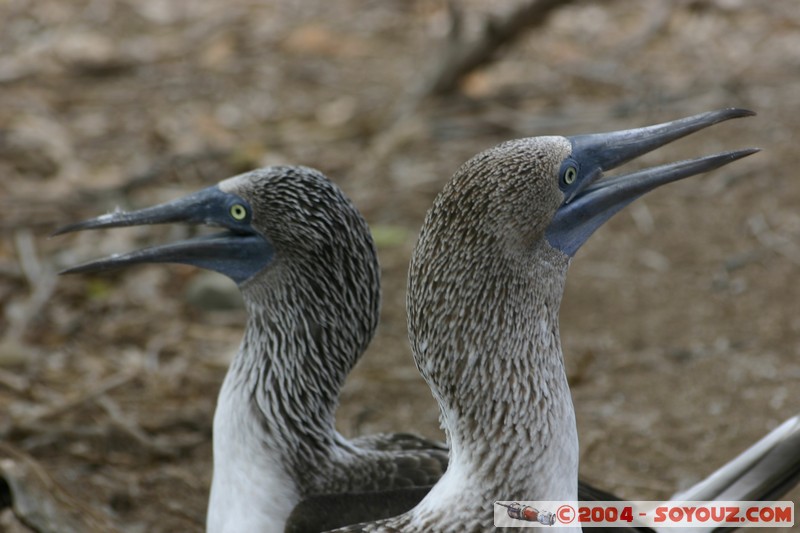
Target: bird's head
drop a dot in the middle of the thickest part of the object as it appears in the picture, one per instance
(496, 244)
(276, 216)
(552, 188)
(589, 201)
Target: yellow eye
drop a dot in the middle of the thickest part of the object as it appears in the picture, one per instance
(238, 212)
(570, 175)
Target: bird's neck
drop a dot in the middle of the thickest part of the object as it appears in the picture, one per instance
(502, 387)
(274, 431)
(515, 431)
(288, 374)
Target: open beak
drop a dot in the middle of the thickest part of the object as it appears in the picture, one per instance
(592, 200)
(238, 252)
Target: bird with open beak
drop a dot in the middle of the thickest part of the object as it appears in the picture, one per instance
(485, 285)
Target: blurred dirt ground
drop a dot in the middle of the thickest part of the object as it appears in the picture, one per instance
(680, 322)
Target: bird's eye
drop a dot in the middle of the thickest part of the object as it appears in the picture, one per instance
(238, 212)
(570, 175)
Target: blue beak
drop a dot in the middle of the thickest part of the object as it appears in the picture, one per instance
(239, 253)
(590, 201)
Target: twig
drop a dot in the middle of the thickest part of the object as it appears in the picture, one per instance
(457, 59)
(44, 435)
(56, 410)
(130, 427)
(14, 382)
(460, 58)
(41, 281)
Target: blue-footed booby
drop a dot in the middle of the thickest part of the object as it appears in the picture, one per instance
(304, 260)
(277, 445)
(484, 289)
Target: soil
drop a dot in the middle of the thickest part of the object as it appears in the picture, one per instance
(680, 323)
